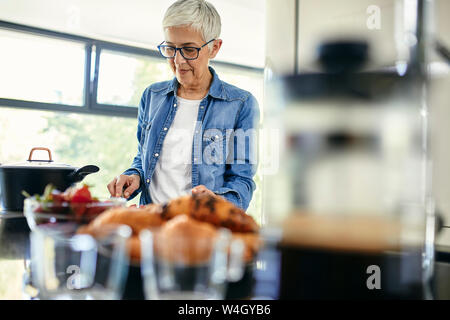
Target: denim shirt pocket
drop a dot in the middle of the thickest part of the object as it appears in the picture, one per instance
(214, 147)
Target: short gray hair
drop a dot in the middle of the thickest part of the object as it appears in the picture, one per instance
(199, 14)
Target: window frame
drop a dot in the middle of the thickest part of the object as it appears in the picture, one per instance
(91, 73)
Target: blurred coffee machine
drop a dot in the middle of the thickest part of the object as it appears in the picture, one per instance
(350, 200)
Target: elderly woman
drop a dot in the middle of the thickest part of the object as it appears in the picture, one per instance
(195, 132)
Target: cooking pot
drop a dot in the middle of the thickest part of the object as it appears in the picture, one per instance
(32, 176)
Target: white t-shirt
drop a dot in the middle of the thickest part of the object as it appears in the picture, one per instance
(173, 172)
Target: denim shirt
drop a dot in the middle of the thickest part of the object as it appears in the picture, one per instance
(224, 146)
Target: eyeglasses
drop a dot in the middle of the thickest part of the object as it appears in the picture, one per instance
(188, 53)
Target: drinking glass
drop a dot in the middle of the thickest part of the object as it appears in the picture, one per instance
(70, 266)
(189, 268)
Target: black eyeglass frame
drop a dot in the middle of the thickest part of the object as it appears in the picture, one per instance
(161, 45)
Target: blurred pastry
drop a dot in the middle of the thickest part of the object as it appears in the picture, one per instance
(188, 224)
(146, 217)
(134, 248)
(136, 218)
(252, 244)
(212, 209)
(185, 240)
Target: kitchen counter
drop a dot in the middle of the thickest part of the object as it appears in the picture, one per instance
(15, 255)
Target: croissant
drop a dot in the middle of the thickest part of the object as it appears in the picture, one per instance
(212, 209)
(136, 218)
(195, 216)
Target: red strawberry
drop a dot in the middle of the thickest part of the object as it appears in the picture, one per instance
(82, 195)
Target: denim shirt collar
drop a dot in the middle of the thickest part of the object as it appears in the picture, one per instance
(216, 90)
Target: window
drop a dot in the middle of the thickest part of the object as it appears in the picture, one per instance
(36, 68)
(75, 139)
(123, 77)
(83, 95)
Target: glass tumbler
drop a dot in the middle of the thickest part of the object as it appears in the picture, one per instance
(189, 268)
(70, 266)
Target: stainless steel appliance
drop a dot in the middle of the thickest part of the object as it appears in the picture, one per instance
(351, 200)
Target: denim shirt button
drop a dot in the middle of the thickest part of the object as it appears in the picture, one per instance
(165, 129)
(156, 154)
(148, 180)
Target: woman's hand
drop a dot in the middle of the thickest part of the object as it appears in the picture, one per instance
(201, 189)
(117, 185)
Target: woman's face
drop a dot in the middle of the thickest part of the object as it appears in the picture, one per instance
(190, 72)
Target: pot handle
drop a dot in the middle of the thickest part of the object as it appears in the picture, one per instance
(41, 148)
(82, 172)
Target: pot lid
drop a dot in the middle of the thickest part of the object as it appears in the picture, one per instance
(38, 164)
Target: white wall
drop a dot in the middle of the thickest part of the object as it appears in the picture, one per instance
(324, 19)
(280, 36)
(139, 22)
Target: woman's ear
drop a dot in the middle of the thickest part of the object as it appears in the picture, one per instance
(217, 44)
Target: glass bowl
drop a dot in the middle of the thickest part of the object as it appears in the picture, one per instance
(38, 213)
